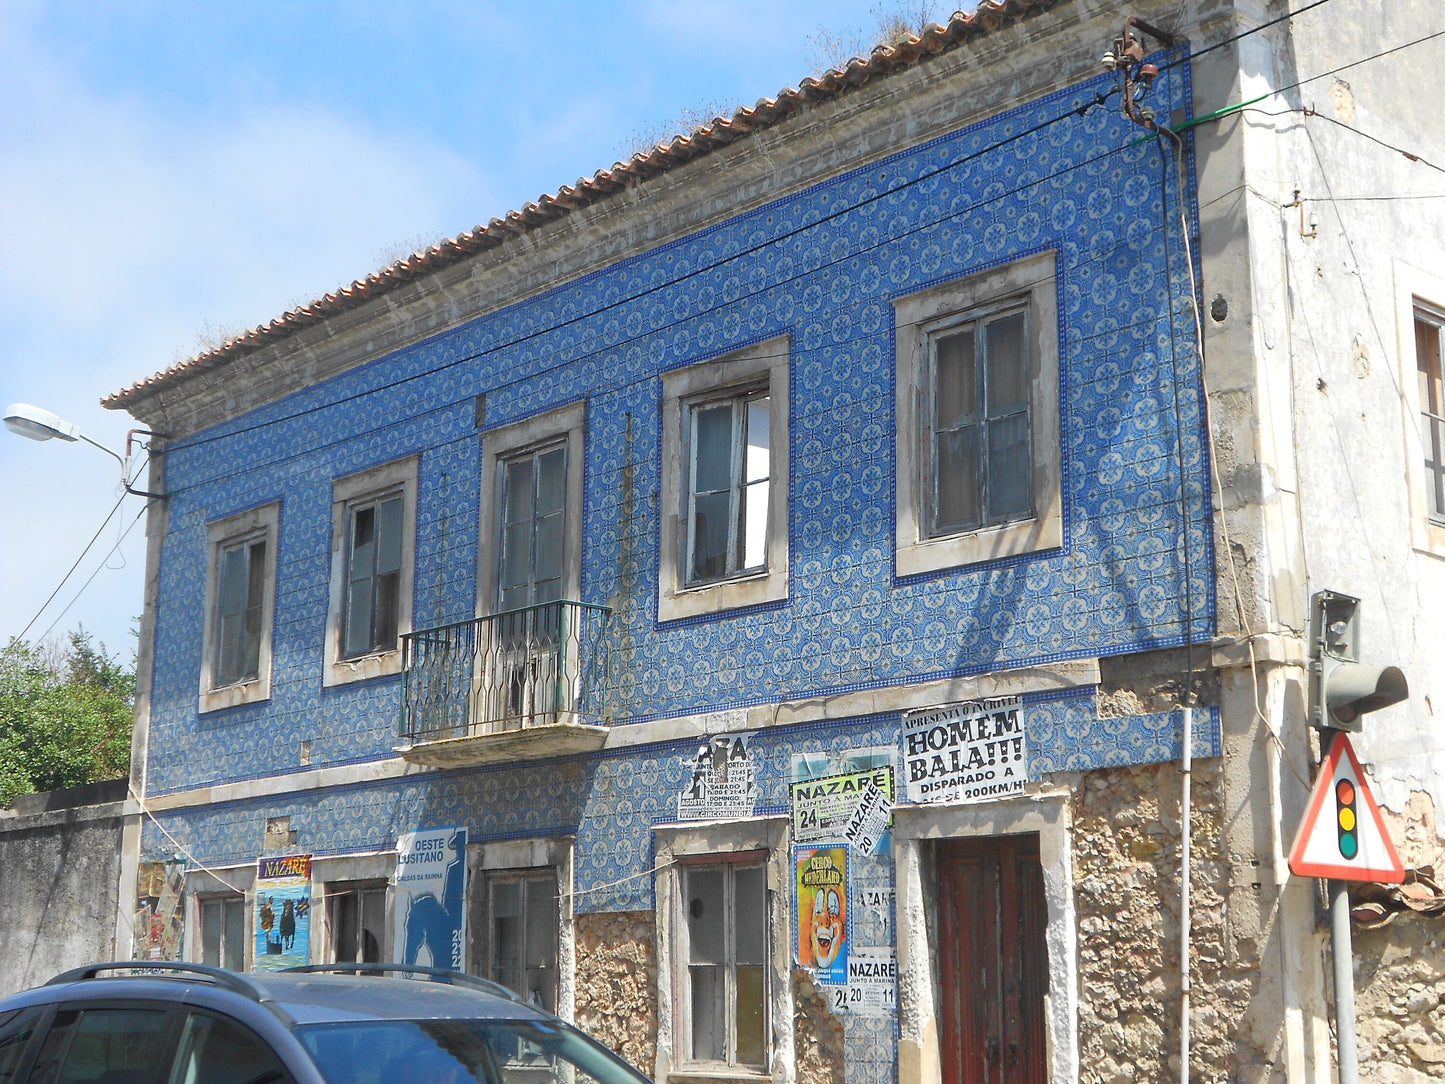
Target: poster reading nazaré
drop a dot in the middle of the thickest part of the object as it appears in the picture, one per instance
(283, 912)
(969, 752)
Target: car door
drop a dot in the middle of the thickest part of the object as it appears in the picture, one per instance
(104, 1043)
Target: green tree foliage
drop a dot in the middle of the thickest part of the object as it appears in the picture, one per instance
(65, 716)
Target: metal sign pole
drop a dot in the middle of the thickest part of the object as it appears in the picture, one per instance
(1342, 955)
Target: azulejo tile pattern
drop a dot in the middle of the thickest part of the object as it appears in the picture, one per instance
(611, 802)
(822, 265)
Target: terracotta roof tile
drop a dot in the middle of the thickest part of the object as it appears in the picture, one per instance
(720, 131)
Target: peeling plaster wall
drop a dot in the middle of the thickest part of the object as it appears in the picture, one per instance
(1400, 1000)
(1350, 267)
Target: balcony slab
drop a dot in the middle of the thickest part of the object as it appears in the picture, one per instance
(525, 743)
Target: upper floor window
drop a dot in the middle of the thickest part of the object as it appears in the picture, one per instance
(240, 593)
(373, 575)
(373, 524)
(725, 483)
(729, 473)
(1428, 336)
(979, 474)
(979, 422)
(531, 509)
(532, 526)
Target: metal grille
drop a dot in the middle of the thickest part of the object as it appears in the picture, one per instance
(535, 666)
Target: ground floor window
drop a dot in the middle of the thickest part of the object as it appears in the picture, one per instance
(726, 907)
(356, 916)
(724, 949)
(223, 932)
(522, 916)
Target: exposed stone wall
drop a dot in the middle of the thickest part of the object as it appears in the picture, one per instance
(1126, 855)
(616, 999)
(1400, 971)
(817, 1034)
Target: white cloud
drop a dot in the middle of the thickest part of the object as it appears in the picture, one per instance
(128, 225)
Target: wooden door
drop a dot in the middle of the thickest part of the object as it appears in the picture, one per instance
(993, 960)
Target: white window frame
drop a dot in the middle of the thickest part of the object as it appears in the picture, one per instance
(765, 365)
(524, 858)
(222, 535)
(915, 829)
(1417, 291)
(1029, 282)
(566, 425)
(720, 839)
(399, 476)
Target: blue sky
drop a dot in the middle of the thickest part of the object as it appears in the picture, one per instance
(171, 171)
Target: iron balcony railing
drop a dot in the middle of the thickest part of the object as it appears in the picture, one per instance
(536, 666)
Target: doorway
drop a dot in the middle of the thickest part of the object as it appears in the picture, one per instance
(993, 966)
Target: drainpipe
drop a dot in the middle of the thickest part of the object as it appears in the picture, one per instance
(1184, 918)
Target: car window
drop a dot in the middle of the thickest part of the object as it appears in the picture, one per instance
(102, 1046)
(218, 1051)
(15, 1030)
(461, 1052)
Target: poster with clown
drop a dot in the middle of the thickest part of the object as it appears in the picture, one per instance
(822, 887)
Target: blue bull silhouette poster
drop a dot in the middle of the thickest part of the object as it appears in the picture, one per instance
(431, 892)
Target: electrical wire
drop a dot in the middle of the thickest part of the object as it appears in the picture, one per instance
(99, 568)
(1082, 108)
(71, 571)
(1193, 55)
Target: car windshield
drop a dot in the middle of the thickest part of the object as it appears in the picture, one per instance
(460, 1052)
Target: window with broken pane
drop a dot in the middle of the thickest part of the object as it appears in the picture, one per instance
(726, 911)
(978, 461)
(373, 575)
(522, 934)
(240, 599)
(357, 918)
(729, 475)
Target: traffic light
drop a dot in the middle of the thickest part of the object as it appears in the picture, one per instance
(1341, 687)
(1346, 822)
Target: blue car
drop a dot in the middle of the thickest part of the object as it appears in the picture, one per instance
(140, 1022)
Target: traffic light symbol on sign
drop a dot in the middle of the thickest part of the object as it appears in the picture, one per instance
(1345, 819)
(1358, 846)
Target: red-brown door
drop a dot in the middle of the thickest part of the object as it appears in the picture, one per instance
(993, 960)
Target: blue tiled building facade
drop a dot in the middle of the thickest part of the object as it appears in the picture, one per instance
(827, 666)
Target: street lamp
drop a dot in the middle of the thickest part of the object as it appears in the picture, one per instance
(37, 423)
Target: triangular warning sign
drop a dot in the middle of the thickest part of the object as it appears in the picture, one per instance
(1343, 835)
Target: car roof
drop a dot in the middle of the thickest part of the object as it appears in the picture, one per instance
(314, 999)
(299, 998)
